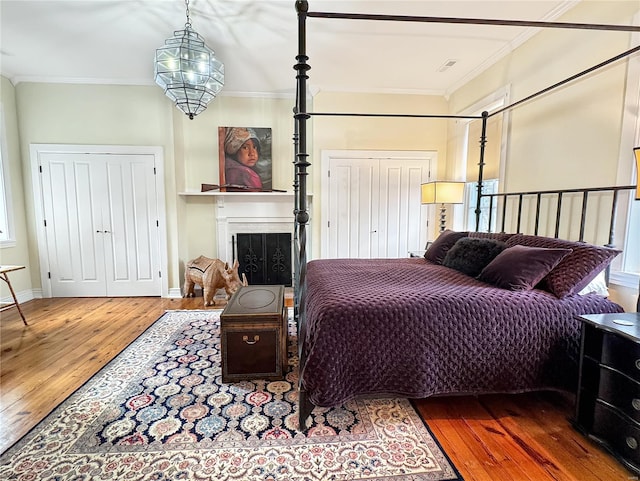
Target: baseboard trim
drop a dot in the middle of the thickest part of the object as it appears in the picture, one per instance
(175, 293)
(24, 296)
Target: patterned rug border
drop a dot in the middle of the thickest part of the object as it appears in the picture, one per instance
(435, 440)
(54, 412)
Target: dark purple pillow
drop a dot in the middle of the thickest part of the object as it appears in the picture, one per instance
(501, 236)
(439, 248)
(470, 255)
(576, 270)
(520, 268)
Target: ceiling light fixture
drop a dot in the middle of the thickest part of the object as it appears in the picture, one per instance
(188, 70)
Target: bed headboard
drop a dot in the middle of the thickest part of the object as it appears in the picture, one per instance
(541, 212)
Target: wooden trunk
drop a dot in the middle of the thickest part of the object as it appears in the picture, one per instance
(253, 333)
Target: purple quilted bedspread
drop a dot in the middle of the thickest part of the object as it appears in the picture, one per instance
(412, 328)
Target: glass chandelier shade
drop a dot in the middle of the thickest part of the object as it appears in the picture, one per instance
(188, 71)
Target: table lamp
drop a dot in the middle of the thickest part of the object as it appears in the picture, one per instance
(442, 192)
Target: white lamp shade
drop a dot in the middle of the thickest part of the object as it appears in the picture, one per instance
(440, 192)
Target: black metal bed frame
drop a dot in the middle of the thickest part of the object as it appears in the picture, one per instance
(558, 195)
(301, 160)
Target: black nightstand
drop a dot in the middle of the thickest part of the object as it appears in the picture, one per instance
(608, 395)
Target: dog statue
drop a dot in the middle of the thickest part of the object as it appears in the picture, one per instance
(211, 275)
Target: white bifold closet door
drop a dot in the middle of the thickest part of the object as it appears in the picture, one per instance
(374, 207)
(101, 224)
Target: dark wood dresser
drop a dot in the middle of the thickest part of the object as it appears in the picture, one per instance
(608, 396)
(253, 334)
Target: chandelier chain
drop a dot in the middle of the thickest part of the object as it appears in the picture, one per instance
(188, 24)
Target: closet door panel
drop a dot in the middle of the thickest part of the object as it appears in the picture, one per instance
(70, 184)
(101, 217)
(353, 208)
(339, 225)
(400, 210)
(133, 247)
(116, 228)
(391, 209)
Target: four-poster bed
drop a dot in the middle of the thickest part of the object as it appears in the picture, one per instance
(415, 327)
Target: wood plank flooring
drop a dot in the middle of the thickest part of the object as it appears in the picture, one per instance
(524, 437)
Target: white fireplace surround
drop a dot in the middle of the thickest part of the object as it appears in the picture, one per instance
(251, 213)
(248, 213)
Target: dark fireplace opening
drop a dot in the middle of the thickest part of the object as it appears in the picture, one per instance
(265, 258)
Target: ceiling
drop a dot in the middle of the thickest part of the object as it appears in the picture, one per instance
(114, 42)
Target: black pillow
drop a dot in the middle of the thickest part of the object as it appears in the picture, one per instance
(470, 255)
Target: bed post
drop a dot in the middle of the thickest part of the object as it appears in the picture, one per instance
(301, 214)
(296, 208)
(483, 143)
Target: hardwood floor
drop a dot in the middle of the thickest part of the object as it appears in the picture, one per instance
(489, 438)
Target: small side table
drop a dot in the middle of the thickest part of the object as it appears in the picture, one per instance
(4, 270)
(608, 396)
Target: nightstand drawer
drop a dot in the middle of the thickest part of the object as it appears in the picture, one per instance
(621, 354)
(620, 391)
(620, 434)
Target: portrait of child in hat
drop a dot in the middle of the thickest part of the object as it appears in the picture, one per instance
(245, 158)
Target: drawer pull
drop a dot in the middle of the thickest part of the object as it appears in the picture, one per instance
(636, 404)
(255, 339)
(637, 363)
(631, 442)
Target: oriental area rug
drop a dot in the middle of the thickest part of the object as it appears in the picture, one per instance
(159, 411)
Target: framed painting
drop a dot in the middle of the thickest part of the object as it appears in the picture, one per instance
(245, 159)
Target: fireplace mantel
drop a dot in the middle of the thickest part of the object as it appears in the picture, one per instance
(251, 195)
(248, 213)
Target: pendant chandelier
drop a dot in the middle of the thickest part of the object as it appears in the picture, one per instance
(188, 70)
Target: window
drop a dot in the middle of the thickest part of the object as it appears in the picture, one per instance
(6, 225)
(468, 134)
(489, 186)
(632, 257)
(626, 270)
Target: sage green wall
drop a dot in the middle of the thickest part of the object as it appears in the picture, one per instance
(18, 254)
(142, 115)
(95, 115)
(128, 115)
(196, 149)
